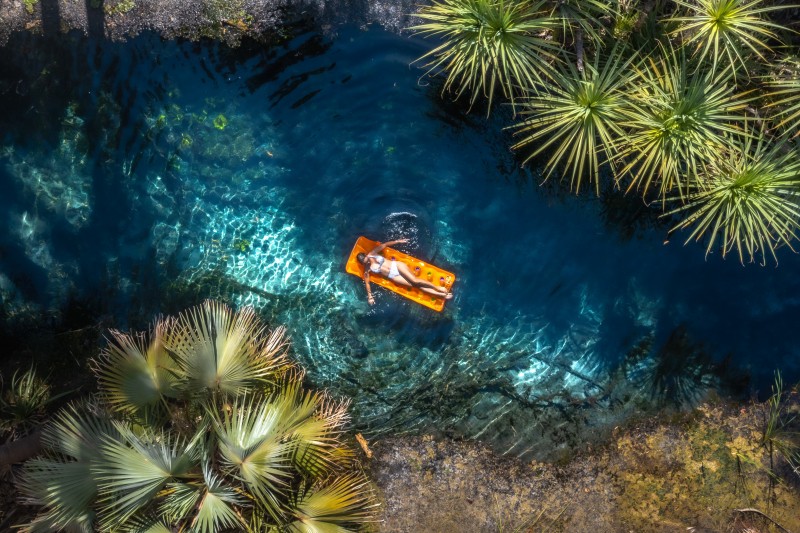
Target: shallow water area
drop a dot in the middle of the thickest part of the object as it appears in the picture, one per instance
(131, 168)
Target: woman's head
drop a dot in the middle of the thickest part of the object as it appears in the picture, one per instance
(362, 258)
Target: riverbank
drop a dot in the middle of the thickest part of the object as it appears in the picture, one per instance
(707, 470)
(226, 20)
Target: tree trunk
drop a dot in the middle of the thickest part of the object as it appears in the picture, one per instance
(21, 449)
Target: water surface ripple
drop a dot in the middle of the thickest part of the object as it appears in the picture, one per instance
(128, 170)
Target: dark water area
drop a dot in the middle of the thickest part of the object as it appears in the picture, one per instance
(142, 176)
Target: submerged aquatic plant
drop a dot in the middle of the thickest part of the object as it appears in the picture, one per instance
(749, 200)
(489, 43)
(678, 122)
(578, 117)
(220, 122)
(733, 28)
(203, 426)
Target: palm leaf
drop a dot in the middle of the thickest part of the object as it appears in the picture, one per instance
(254, 448)
(314, 423)
(487, 43)
(735, 28)
(207, 506)
(753, 204)
(135, 374)
(62, 481)
(786, 96)
(65, 490)
(677, 123)
(219, 350)
(583, 15)
(135, 468)
(578, 116)
(347, 501)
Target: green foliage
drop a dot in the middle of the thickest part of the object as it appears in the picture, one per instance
(120, 7)
(220, 122)
(241, 245)
(678, 120)
(735, 28)
(203, 425)
(23, 402)
(489, 43)
(749, 198)
(785, 91)
(579, 116)
(781, 429)
(584, 16)
(669, 124)
(30, 5)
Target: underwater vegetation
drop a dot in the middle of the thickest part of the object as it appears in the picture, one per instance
(693, 104)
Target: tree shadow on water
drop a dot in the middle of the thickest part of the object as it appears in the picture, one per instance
(682, 372)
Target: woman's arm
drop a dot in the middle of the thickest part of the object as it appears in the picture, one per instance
(370, 299)
(378, 249)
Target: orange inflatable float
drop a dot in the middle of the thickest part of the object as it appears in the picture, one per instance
(426, 271)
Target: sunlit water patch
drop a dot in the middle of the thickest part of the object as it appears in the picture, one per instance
(248, 174)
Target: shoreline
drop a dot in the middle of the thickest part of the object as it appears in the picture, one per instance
(226, 20)
(695, 472)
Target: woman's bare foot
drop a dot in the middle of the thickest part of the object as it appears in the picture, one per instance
(448, 296)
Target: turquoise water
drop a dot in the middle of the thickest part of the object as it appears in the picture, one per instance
(131, 169)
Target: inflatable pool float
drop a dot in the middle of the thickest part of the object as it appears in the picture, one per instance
(424, 270)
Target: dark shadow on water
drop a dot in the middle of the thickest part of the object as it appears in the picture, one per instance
(95, 14)
(681, 372)
(629, 215)
(51, 17)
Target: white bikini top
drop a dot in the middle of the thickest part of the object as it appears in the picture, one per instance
(376, 267)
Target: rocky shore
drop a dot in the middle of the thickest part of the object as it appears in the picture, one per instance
(705, 471)
(228, 20)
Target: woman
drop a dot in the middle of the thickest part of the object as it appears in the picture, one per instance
(396, 271)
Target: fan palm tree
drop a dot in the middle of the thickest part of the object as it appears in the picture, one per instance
(751, 200)
(678, 121)
(488, 43)
(202, 426)
(579, 116)
(733, 28)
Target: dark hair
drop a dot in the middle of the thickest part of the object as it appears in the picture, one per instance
(361, 258)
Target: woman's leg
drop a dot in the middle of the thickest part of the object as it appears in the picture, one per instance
(400, 280)
(423, 285)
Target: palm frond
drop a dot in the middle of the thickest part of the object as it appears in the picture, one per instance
(753, 202)
(583, 15)
(24, 400)
(254, 449)
(220, 350)
(578, 116)
(785, 91)
(735, 28)
(136, 467)
(62, 482)
(148, 523)
(488, 43)
(677, 123)
(206, 506)
(64, 489)
(314, 423)
(77, 430)
(346, 501)
(135, 373)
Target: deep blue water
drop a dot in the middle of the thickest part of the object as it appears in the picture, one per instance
(116, 181)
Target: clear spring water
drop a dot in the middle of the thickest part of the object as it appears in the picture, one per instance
(127, 166)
